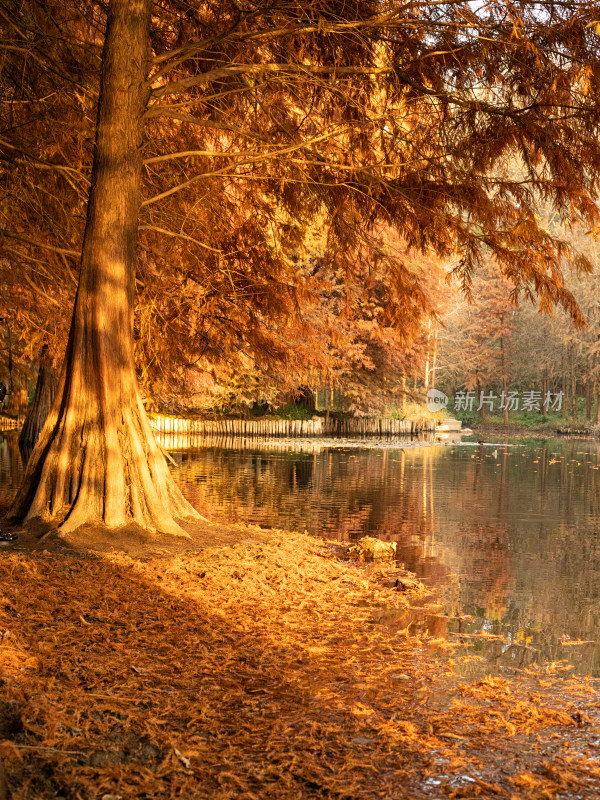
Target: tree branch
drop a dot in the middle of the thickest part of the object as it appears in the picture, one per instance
(43, 245)
(260, 69)
(178, 236)
(40, 163)
(246, 162)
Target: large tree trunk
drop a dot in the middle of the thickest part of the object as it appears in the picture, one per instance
(3, 786)
(96, 459)
(45, 389)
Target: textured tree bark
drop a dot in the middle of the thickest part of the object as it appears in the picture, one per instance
(96, 459)
(45, 389)
(3, 786)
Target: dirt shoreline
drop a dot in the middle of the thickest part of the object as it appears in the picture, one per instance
(257, 664)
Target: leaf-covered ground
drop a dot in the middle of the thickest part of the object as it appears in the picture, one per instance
(261, 669)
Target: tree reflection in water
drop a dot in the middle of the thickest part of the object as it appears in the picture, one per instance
(508, 533)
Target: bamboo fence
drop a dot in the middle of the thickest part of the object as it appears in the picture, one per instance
(9, 423)
(290, 428)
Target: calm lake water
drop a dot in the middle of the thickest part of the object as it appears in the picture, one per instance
(510, 534)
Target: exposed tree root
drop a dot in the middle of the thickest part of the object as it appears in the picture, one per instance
(90, 466)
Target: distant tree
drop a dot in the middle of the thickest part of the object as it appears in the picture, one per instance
(476, 339)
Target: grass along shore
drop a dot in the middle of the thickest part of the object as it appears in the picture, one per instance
(527, 422)
(257, 664)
